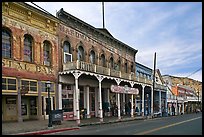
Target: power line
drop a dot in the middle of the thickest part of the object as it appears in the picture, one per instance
(194, 72)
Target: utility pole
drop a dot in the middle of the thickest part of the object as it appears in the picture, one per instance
(103, 15)
(153, 81)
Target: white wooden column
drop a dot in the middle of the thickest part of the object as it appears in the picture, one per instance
(160, 103)
(87, 103)
(76, 75)
(132, 106)
(152, 97)
(143, 86)
(60, 95)
(118, 100)
(183, 107)
(85, 94)
(96, 102)
(100, 78)
(124, 103)
(74, 100)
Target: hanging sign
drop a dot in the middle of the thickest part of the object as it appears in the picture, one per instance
(124, 89)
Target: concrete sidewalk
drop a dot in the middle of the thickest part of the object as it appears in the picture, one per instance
(37, 127)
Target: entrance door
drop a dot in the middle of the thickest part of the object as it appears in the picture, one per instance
(24, 108)
(45, 100)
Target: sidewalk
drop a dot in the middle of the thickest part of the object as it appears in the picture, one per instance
(41, 127)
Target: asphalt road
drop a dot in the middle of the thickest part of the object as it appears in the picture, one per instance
(188, 124)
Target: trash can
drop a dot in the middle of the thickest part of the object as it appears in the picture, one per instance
(57, 116)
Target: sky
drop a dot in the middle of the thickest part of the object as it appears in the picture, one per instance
(171, 29)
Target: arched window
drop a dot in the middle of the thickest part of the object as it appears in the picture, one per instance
(103, 60)
(111, 63)
(67, 52)
(126, 68)
(28, 48)
(47, 53)
(80, 55)
(92, 57)
(6, 44)
(118, 65)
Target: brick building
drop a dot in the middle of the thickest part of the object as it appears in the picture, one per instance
(29, 59)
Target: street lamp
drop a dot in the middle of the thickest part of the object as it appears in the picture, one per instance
(48, 85)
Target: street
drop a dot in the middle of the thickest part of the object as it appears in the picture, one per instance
(188, 124)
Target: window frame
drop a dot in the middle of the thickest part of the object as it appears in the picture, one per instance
(4, 42)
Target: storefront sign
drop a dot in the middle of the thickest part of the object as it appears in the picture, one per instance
(124, 89)
(27, 66)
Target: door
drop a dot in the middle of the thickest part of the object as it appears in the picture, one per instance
(24, 108)
(46, 112)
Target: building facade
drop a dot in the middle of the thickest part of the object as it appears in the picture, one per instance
(97, 72)
(29, 59)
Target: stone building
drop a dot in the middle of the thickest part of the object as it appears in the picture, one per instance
(29, 59)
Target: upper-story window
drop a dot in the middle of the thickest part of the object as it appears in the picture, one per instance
(111, 63)
(156, 79)
(131, 68)
(28, 48)
(103, 60)
(67, 52)
(6, 43)
(47, 53)
(117, 66)
(80, 54)
(126, 68)
(92, 57)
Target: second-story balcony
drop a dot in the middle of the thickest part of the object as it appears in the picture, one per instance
(80, 65)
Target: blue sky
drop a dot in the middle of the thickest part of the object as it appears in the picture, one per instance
(171, 29)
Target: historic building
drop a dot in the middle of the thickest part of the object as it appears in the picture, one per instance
(29, 59)
(186, 94)
(97, 72)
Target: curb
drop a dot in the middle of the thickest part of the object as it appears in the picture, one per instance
(47, 131)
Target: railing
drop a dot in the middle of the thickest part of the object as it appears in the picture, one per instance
(80, 65)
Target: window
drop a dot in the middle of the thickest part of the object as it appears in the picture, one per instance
(80, 55)
(9, 84)
(103, 60)
(156, 79)
(118, 65)
(6, 44)
(30, 85)
(126, 68)
(52, 87)
(131, 68)
(67, 52)
(47, 53)
(28, 48)
(92, 57)
(111, 63)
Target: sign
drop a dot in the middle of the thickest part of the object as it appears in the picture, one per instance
(124, 89)
(27, 66)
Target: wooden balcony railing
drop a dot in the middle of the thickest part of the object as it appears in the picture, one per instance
(80, 65)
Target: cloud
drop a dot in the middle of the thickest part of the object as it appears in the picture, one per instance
(172, 30)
